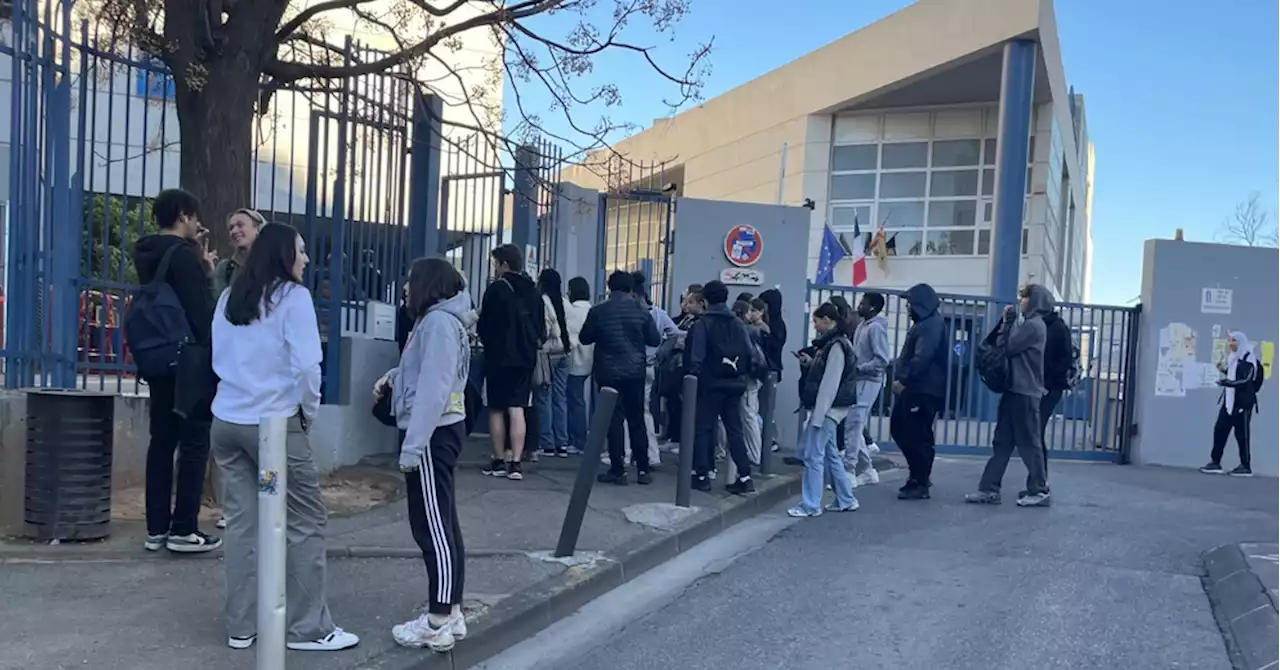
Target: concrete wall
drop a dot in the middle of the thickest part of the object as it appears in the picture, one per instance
(577, 234)
(1176, 408)
(699, 257)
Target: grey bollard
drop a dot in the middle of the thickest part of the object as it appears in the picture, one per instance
(688, 420)
(599, 430)
(768, 401)
(273, 482)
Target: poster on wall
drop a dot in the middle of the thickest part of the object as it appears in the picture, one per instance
(1215, 301)
(1176, 366)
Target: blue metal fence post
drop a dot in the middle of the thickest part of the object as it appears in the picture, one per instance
(1017, 88)
(424, 177)
(63, 248)
(524, 229)
(602, 230)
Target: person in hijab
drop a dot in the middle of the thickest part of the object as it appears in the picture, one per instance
(1239, 400)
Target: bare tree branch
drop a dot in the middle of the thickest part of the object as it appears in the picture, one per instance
(1250, 225)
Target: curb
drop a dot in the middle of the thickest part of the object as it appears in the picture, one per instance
(69, 553)
(524, 614)
(1243, 607)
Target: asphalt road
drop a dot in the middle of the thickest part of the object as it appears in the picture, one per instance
(1107, 578)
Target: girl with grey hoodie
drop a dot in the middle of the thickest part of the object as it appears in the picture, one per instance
(428, 397)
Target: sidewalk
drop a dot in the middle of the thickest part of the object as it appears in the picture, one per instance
(1241, 582)
(111, 605)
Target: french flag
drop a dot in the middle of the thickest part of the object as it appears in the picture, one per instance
(858, 254)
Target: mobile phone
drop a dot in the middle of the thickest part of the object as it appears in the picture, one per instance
(796, 354)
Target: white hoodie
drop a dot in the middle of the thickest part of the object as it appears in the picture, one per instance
(580, 359)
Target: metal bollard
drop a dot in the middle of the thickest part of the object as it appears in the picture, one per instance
(688, 427)
(273, 480)
(768, 401)
(599, 430)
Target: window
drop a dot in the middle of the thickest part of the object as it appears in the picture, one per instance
(984, 241)
(855, 157)
(928, 178)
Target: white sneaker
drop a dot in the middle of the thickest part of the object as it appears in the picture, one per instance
(335, 641)
(873, 448)
(241, 642)
(155, 542)
(871, 476)
(458, 626)
(221, 522)
(418, 633)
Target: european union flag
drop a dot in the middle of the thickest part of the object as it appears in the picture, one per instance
(831, 252)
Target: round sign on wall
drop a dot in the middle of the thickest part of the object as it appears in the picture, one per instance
(743, 245)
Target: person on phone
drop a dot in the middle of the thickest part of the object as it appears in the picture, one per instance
(826, 395)
(1242, 378)
(266, 351)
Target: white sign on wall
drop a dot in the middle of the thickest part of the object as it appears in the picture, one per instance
(1215, 301)
(741, 277)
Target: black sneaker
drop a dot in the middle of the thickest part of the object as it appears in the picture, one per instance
(743, 486)
(496, 468)
(915, 493)
(1242, 471)
(613, 477)
(701, 483)
(911, 484)
(792, 460)
(562, 452)
(1213, 469)
(195, 543)
(644, 478)
(513, 471)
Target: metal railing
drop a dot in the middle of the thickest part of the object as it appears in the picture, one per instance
(1090, 420)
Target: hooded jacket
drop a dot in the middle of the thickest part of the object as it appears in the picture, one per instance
(717, 318)
(1242, 369)
(428, 388)
(871, 348)
(1024, 343)
(922, 363)
(575, 314)
(186, 275)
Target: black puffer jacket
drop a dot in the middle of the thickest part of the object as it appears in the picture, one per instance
(922, 363)
(620, 327)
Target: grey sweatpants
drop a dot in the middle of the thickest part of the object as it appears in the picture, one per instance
(1017, 427)
(235, 450)
(856, 452)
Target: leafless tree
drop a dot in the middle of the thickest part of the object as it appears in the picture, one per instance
(1250, 225)
(229, 57)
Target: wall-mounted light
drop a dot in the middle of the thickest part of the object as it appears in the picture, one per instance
(808, 204)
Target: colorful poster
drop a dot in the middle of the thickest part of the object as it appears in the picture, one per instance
(1219, 351)
(1267, 355)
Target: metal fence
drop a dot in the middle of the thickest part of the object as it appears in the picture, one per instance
(366, 169)
(636, 215)
(1088, 423)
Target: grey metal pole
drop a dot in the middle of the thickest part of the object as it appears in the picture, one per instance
(684, 474)
(273, 480)
(573, 515)
(768, 400)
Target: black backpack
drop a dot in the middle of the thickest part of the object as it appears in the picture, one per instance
(993, 364)
(1259, 375)
(729, 356)
(1062, 357)
(525, 340)
(669, 365)
(155, 324)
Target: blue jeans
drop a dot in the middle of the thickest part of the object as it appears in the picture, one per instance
(576, 399)
(821, 457)
(552, 409)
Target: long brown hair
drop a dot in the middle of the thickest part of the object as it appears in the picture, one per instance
(431, 281)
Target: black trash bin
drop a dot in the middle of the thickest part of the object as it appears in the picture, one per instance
(68, 474)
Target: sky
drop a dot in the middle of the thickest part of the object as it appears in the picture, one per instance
(1181, 101)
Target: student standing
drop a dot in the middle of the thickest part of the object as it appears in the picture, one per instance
(827, 393)
(1243, 376)
(666, 328)
(242, 228)
(721, 356)
(621, 329)
(580, 358)
(920, 376)
(871, 357)
(266, 351)
(1018, 415)
(552, 403)
(428, 396)
(511, 329)
(180, 397)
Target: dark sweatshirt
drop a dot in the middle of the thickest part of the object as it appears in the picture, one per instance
(922, 363)
(186, 275)
(1024, 343)
(500, 328)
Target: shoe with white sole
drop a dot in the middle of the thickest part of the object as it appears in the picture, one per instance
(221, 523)
(871, 476)
(335, 641)
(241, 642)
(195, 543)
(458, 626)
(419, 633)
(800, 512)
(835, 507)
(155, 542)
(873, 448)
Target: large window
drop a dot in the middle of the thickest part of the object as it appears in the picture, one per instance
(931, 188)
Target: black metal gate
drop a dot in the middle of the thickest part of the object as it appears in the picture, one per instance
(636, 216)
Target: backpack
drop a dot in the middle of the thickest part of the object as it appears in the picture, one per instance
(993, 365)
(1062, 368)
(669, 365)
(729, 356)
(1259, 375)
(525, 341)
(155, 324)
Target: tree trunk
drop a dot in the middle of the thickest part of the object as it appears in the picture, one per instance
(215, 127)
